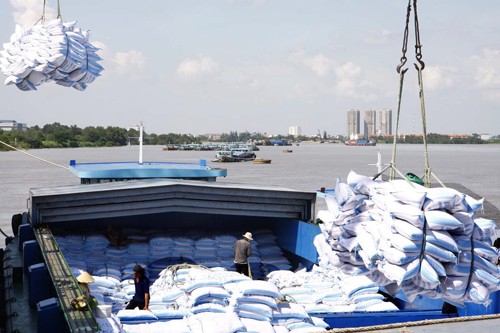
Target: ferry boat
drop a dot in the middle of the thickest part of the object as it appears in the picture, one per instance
(236, 154)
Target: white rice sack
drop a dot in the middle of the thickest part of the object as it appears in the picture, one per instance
(382, 307)
(428, 275)
(353, 202)
(327, 217)
(319, 322)
(486, 265)
(440, 253)
(484, 229)
(290, 310)
(280, 329)
(269, 301)
(467, 220)
(408, 230)
(441, 238)
(257, 326)
(369, 246)
(343, 192)
(442, 198)
(414, 198)
(402, 243)
(474, 204)
(257, 308)
(257, 287)
(440, 220)
(353, 284)
(436, 265)
(209, 322)
(478, 292)
(209, 307)
(333, 206)
(168, 314)
(406, 212)
(396, 256)
(488, 280)
(199, 295)
(359, 183)
(379, 278)
(399, 273)
(454, 285)
(325, 252)
(135, 316)
(195, 284)
(350, 269)
(481, 248)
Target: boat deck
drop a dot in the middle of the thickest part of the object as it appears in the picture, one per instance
(487, 323)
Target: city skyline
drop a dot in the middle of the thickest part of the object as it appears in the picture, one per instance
(247, 65)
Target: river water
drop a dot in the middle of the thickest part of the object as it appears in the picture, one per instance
(308, 168)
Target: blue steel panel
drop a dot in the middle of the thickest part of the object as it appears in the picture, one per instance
(297, 237)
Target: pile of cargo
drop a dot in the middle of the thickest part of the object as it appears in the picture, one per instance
(52, 51)
(410, 239)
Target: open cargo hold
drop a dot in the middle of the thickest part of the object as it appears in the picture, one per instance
(180, 206)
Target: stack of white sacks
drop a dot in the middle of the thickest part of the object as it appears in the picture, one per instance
(409, 238)
(52, 51)
(191, 299)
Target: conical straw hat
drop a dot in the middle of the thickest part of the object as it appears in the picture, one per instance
(85, 277)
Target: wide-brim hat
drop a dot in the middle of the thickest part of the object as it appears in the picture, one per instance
(248, 236)
(85, 277)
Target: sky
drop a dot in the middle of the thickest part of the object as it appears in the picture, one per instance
(215, 66)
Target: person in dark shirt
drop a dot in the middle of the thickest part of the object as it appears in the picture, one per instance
(242, 251)
(497, 245)
(141, 296)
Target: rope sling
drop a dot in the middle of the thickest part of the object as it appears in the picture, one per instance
(419, 66)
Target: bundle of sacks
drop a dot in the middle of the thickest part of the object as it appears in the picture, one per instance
(187, 298)
(53, 51)
(409, 238)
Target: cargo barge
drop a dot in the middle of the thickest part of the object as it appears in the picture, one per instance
(39, 285)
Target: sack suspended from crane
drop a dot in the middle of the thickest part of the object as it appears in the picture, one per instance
(53, 51)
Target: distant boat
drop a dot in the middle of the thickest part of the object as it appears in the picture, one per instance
(287, 150)
(361, 142)
(171, 147)
(261, 161)
(235, 155)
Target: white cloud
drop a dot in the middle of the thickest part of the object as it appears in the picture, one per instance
(319, 64)
(437, 77)
(131, 62)
(488, 69)
(192, 68)
(350, 83)
(487, 74)
(27, 12)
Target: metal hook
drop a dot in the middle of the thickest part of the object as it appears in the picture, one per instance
(403, 62)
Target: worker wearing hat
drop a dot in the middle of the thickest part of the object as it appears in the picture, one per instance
(242, 250)
(141, 296)
(83, 282)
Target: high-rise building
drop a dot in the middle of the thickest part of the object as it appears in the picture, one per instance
(294, 130)
(370, 123)
(353, 116)
(385, 122)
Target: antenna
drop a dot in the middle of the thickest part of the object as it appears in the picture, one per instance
(379, 162)
(141, 128)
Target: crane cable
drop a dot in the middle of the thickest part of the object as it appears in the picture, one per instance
(36, 157)
(419, 67)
